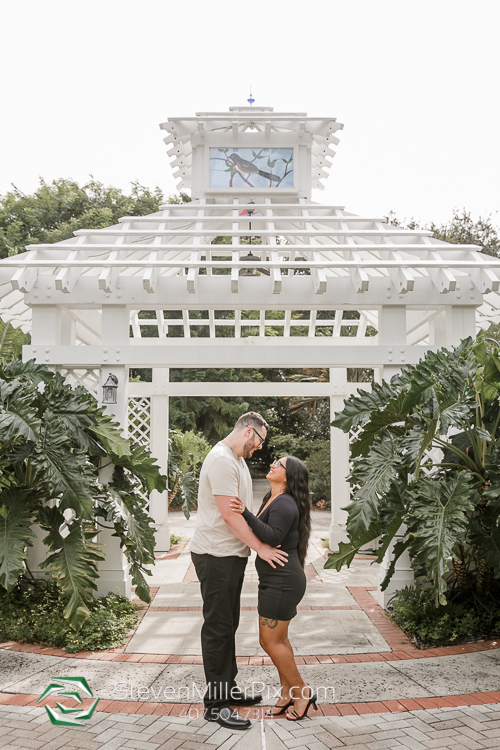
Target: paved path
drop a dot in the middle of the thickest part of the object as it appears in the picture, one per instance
(465, 729)
(375, 689)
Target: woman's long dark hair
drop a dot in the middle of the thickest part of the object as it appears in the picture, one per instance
(297, 485)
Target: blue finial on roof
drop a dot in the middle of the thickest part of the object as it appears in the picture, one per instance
(250, 99)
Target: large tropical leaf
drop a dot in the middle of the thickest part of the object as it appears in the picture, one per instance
(189, 492)
(143, 465)
(358, 408)
(392, 512)
(372, 477)
(16, 517)
(416, 442)
(134, 529)
(18, 414)
(345, 555)
(492, 467)
(27, 371)
(73, 412)
(439, 509)
(110, 435)
(489, 378)
(12, 341)
(444, 374)
(488, 545)
(379, 421)
(397, 551)
(74, 557)
(64, 471)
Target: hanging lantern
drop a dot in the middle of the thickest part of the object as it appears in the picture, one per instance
(109, 390)
(253, 271)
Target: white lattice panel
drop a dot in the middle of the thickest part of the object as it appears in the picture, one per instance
(432, 456)
(139, 420)
(89, 379)
(354, 433)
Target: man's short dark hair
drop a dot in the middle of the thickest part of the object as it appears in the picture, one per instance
(251, 419)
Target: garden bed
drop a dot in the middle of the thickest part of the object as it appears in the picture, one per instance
(431, 626)
(36, 615)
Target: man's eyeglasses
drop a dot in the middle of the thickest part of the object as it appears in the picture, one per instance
(259, 436)
(278, 463)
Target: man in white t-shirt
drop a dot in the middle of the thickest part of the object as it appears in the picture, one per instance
(220, 548)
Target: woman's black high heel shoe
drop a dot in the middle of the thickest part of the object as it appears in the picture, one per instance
(296, 717)
(281, 711)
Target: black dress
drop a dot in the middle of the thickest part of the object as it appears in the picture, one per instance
(280, 588)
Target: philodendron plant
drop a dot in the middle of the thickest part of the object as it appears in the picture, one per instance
(53, 442)
(447, 499)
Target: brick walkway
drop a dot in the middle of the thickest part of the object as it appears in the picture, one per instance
(398, 696)
(465, 729)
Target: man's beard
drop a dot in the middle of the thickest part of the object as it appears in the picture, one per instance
(249, 447)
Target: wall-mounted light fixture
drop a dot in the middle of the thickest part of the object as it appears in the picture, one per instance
(109, 390)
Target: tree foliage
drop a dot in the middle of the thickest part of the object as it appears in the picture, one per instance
(461, 229)
(55, 210)
(447, 501)
(52, 442)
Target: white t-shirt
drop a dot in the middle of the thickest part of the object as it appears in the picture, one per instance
(222, 473)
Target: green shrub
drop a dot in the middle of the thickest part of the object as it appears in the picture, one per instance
(315, 453)
(427, 623)
(174, 539)
(36, 615)
(187, 452)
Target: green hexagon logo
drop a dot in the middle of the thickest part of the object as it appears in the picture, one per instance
(69, 687)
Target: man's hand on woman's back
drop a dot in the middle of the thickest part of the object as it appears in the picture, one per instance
(272, 555)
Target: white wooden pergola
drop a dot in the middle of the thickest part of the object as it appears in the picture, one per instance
(83, 298)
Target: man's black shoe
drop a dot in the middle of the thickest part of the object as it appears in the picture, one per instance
(226, 717)
(238, 698)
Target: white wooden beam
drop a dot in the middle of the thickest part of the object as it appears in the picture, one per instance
(442, 278)
(235, 255)
(185, 322)
(246, 352)
(160, 321)
(312, 323)
(273, 255)
(245, 388)
(318, 274)
(256, 293)
(151, 273)
(485, 280)
(25, 278)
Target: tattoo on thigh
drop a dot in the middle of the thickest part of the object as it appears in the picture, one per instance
(268, 623)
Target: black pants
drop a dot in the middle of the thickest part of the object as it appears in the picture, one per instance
(221, 580)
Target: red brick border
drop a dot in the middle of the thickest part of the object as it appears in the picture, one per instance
(327, 709)
(400, 645)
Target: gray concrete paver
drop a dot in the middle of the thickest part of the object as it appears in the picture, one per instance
(411, 743)
(329, 740)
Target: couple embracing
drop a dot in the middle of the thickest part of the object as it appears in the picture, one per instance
(225, 532)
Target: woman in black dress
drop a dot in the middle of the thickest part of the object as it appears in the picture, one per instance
(283, 520)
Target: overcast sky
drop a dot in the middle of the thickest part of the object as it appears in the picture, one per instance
(416, 84)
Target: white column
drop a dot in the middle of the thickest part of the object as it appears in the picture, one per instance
(158, 502)
(45, 327)
(113, 570)
(452, 325)
(402, 576)
(460, 323)
(392, 333)
(339, 460)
